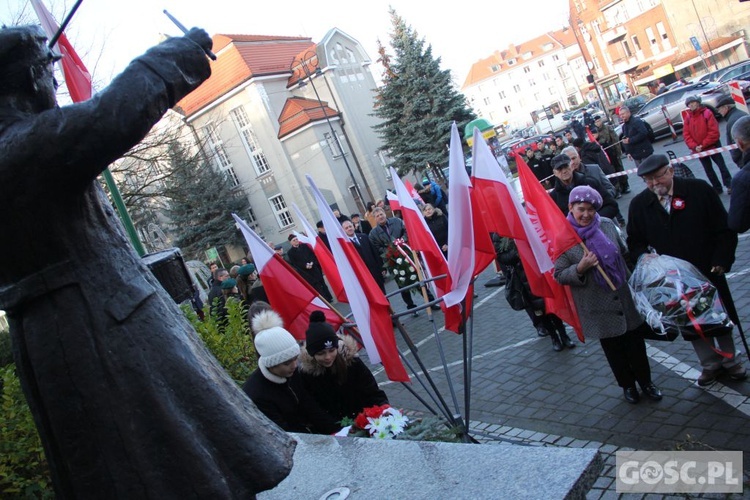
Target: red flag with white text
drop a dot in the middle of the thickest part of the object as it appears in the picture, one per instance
(370, 308)
(288, 293)
(77, 77)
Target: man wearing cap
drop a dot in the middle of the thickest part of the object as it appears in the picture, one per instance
(611, 144)
(127, 400)
(731, 114)
(701, 133)
(686, 219)
(739, 204)
(634, 137)
(566, 178)
(432, 193)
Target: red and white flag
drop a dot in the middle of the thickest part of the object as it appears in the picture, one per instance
(370, 308)
(311, 239)
(422, 240)
(413, 193)
(556, 234)
(469, 246)
(77, 77)
(288, 293)
(392, 200)
(593, 139)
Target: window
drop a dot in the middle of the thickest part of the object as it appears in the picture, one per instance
(636, 43)
(241, 121)
(536, 96)
(215, 149)
(652, 40)
(663, 35)
(495, 68)
(555, 57)
(541, 64)
(517, 88)
(251, 218)
(626, 48)
(527, 69)
(545, 76)
(333, 145)
(507, 109)
(486, 101)
(502, 94)
(531, 82)
(551, 91)
(281, 211)
(511, 62)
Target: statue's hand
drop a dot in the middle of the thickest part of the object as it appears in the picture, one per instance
(199, 36)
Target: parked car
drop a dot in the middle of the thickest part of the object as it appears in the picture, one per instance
(674, 100)
(715, 75)
(734, 72)
(635, 103)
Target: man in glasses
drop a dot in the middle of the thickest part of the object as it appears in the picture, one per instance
(685, 218)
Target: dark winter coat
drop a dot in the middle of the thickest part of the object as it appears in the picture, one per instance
(731, 118)
(604, 313)
(438, 225)
(299, 257)
(561, 193)
(371, 257)
(289, 405)
(739, 206)
(639, 147)
(383, 237)
(697, 233)
(592, 153)
(341, 398)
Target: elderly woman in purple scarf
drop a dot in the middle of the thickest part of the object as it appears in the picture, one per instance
(606, 314)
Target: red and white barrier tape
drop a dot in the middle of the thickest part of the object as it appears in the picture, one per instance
(695, 156)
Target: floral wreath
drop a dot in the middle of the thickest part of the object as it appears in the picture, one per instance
(400, 265)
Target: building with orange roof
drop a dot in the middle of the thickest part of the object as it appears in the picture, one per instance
(277, 108)
(511, 87)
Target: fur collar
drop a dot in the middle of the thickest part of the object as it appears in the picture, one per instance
(347, 349)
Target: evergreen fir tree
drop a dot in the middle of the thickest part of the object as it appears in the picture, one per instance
(201, 201)
(417, 102)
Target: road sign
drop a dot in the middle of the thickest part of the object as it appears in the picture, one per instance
(696, 44)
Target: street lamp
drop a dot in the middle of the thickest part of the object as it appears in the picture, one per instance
(591, 80)
(303, 65)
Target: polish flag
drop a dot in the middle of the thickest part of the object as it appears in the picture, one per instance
(556, 234)
(392, 200)
(413, 193)
(289, 295)
(77, 77)
(311, 239)
(505, 215)
(422, 240)
(470, 248)
(370, 308)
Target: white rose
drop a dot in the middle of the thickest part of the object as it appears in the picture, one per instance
(411, 269)
(413, 277)
(402, 273)
(399, 260)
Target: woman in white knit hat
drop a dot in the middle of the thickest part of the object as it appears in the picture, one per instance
(274, 387)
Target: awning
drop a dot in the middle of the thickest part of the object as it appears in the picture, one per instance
(726, 43)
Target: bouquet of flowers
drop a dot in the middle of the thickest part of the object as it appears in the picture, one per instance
(401, 267)
(385, 422)
(674, 296)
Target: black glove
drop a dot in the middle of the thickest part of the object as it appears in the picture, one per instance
(199, 36)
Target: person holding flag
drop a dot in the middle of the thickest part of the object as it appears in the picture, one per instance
(607, 314)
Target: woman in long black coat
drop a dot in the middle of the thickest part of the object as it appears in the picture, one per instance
(438, 224)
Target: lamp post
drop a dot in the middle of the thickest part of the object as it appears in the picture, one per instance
(588, 67)
(705, 36)
(303, 65)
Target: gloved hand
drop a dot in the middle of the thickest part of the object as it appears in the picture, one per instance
(199, 36)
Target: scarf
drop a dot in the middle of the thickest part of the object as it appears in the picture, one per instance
(606, 251)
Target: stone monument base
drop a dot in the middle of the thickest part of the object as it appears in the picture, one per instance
(327, 467)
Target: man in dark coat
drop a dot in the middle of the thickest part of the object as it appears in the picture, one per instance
(739, 205)
(368, 252)
(634, 137)
(361, 225)
(731, 114)
(685, 218)
(566, 179)
(127, 400)
(610, 143)
(303, 260)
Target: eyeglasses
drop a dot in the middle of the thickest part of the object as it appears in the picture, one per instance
(653, 178)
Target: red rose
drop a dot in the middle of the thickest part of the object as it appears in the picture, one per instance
(361, 421)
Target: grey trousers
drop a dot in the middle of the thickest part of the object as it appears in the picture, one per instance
(711, 360)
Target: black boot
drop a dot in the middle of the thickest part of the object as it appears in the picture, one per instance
(556, 343)
(566, 340)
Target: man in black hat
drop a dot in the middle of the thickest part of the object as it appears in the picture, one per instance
(731, 114)
(686, 219)
(566, 178)
(127, 400)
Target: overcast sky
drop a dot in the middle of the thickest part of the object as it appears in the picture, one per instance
(460, 32)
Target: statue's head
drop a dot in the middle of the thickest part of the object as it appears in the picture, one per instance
(26, 64)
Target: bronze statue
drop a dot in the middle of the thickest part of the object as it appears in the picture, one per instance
(128, 401)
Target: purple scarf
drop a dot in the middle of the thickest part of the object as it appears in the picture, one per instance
(606, 251)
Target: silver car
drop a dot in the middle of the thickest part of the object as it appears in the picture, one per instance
(674, 100)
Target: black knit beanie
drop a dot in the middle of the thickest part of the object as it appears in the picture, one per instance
(319, 335)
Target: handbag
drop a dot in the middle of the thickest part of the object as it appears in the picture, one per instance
(515, 292)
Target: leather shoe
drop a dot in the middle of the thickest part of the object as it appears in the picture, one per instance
(435, 307)
(631, 395)
(566, 340)
(556, 344)
(652, 392)
(707, 377)
(737, 372)
(413, 306)
(541, 331)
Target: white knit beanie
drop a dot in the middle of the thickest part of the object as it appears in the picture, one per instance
(274, 344)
